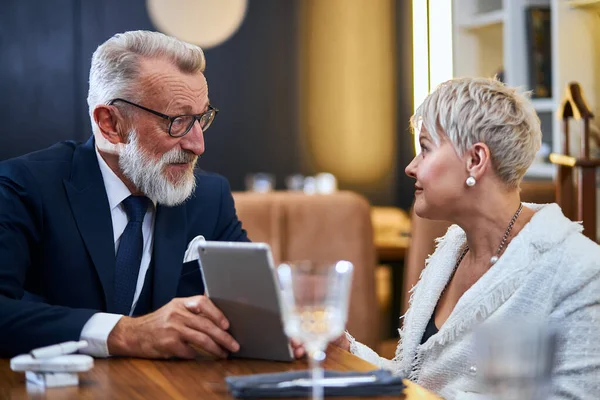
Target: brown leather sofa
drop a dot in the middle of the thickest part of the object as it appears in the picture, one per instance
(320, 228)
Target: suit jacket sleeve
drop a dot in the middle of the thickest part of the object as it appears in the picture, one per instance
(26, 324)
(229, 227)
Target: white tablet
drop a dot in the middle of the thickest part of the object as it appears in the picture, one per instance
(239, 278)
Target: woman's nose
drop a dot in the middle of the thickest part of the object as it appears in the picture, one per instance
(411, 168)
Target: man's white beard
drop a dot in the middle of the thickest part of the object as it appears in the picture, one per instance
(148, 175)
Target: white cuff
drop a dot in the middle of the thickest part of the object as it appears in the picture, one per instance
(96, 332)
(367, 354)
(353, 348)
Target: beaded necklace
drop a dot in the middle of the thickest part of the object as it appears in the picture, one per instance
(496, 256)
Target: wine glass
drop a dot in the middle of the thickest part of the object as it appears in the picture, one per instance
(314, 306)
(516, 359)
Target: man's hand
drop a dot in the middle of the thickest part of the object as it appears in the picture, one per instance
(174, 331)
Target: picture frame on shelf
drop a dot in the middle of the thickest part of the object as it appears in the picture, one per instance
(539, 50)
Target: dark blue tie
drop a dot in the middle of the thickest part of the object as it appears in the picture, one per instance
(129, 254)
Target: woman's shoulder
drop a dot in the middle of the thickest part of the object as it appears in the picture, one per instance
(576, 261)
(549, 231)
(580, 256)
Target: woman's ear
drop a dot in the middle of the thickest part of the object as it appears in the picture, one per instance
(110, 123)
(477, 160)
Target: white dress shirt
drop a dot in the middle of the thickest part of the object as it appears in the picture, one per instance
(97, 329)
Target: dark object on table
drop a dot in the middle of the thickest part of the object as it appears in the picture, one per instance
(539, 50)
(297, 384)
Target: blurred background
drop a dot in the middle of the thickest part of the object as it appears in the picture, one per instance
(306, 87)
(302, 86)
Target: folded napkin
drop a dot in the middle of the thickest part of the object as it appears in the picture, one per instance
(298, 384)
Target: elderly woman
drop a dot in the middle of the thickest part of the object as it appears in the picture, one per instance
(502, 259)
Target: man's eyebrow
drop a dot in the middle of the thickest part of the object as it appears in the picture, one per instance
(187, 109)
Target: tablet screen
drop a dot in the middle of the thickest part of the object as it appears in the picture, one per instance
(239, 278)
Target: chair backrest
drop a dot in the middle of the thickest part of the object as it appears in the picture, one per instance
(321, 228)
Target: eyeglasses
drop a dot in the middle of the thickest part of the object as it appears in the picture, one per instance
(179, 125)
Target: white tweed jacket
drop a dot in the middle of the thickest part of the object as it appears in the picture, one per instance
(549, 270)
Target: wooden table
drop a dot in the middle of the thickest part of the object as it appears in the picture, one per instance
(123, 378)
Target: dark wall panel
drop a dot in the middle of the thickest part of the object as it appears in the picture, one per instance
(405, 147)
(252, 79)
(37, 86)
(45, 53)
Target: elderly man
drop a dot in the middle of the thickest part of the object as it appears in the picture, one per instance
(93, 236)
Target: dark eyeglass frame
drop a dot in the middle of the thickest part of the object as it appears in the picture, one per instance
(171, 119)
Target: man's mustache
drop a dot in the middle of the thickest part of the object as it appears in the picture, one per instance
(178, 157)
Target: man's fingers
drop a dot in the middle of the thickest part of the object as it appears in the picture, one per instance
(201, 324)
(182, 350)
(203, 342)
(211, 321)
(202, 305)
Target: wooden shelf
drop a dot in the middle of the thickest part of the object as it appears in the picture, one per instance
(543, 105)
(589, 4)
(569, 161)
(484, 20)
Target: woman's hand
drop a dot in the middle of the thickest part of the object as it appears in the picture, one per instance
(341, 342)
(298, 348)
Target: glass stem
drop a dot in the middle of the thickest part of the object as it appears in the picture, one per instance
(316, 357)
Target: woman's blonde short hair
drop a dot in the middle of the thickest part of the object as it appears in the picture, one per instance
(483, 110)
(116, 63)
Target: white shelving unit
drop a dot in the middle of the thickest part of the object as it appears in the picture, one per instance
(544, 105)
(483, 20)
(541, 170)
(491, 36)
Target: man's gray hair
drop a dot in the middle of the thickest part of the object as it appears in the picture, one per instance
(116, 64)
(472, 110)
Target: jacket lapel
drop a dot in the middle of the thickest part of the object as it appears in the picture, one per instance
(492, 290)
(425, 295)
(169, 249)
(89, 204)
(546, 230)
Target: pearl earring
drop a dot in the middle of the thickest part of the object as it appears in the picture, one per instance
(471, 181)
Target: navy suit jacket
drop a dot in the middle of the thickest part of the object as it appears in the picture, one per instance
(57, 256)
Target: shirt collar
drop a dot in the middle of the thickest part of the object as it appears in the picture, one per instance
(116, 190)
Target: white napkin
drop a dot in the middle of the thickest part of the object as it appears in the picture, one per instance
(191, 254)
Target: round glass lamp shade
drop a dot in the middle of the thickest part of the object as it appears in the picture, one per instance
(206, 23)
